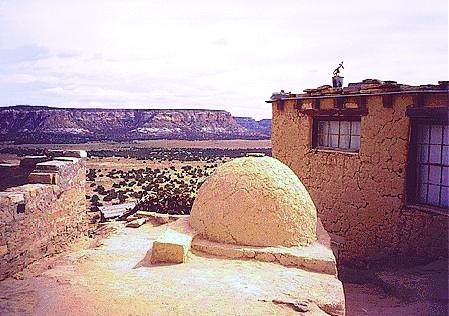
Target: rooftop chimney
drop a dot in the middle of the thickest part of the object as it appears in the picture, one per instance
(337, 80)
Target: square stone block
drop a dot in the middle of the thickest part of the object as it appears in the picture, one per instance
(170, 247)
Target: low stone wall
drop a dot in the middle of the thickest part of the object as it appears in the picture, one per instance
(41, 217)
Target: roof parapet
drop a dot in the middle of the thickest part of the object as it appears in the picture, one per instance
(367, 86)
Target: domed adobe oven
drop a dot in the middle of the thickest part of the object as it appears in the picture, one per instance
(254, 201)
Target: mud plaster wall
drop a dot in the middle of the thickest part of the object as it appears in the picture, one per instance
(40, 219)
(361, 196)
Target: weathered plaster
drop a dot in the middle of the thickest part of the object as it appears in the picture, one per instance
(362, 196)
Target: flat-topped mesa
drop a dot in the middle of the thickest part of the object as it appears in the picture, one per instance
(43, 211)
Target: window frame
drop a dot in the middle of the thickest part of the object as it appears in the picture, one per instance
(412, 164)
(318, 119)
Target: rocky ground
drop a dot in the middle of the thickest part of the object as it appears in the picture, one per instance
(111, 275)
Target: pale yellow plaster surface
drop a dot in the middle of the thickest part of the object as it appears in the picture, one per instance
(255, 201)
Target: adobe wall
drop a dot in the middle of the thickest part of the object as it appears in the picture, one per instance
(44, 216)
(361, 196)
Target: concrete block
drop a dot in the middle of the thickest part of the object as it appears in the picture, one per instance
(170, 247)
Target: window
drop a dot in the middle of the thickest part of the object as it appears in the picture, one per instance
(337, 134)
(431, 167)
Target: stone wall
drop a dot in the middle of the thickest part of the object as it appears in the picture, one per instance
(362, 196)
(42, 217)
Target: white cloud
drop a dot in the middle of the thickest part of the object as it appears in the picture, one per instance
(210, 54)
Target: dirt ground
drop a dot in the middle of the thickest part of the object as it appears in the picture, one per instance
(369, 299)
(160, 143)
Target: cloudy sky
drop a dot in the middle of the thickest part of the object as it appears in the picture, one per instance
(210, 54)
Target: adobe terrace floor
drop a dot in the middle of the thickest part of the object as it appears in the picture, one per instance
(112, 276)
(116, 279)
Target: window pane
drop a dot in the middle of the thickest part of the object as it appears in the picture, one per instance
(344, 127)
(434, 195)
(355, 128)
(344, 141)
(445, 155)
(435, 174)
(423, 134)
(446, 135)
(422, 193)
(423, 152)
(423, 174)
(323, 127)
(436, 134)
(435, 153)
(432, 164)
(333, 127)
(333, 141)
(323, 140)
(445, 180)
(444, 197)
(355, 142)
(338, 134)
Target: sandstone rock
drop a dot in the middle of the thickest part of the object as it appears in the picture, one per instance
(255, 155)
(254, 201)
(131, 218)
(372, 81)
(31, 161)
(62, 125)
(171, 247)
(144, 214)
(159, 218)
(70, 159)
(40, 219)
(324, 87)
(3, 250)
(43, 177)
(75, 153)
(136, 223)
(52, 165)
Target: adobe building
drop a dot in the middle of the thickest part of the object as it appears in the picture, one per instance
(374, 157)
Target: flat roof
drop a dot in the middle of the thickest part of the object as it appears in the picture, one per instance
(368, 87)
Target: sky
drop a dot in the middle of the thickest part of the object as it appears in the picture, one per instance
(228, 55)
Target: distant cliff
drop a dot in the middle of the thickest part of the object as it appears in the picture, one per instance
(32, 124)
(261, 126)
